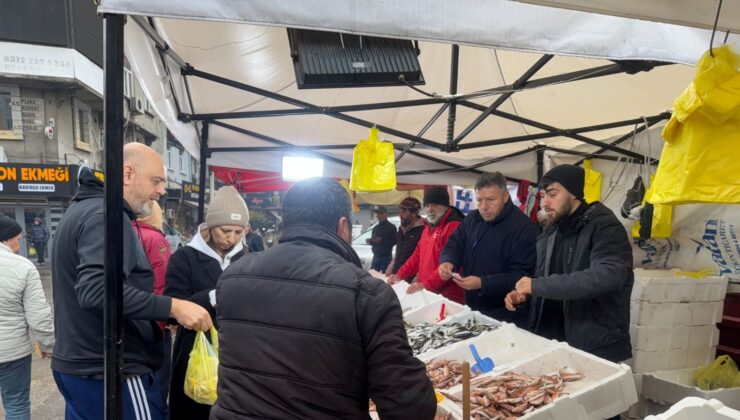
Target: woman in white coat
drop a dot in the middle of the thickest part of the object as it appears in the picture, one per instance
(23, 312)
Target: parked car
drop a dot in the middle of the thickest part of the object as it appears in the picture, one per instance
(363, 249)
(173, 237)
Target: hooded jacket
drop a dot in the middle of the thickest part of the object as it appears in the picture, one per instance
(78, 280)
(593, 286)
(306, 333)
(424, 262)
(192, 274)
(500, 252)
(23, 308)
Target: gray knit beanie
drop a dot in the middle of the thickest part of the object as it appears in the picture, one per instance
(227, 207)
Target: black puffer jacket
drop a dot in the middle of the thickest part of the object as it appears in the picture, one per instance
(596, 285)
(306, 333)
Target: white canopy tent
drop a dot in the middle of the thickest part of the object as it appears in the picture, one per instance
(252, 49)
(211, 59)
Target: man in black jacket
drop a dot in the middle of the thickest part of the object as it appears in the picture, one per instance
(383, 240)
(409, 233)
(494, 247)
(306, 333)
(581, 292)
(78, 284)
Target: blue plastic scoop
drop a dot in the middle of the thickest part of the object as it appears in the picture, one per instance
(481, 365)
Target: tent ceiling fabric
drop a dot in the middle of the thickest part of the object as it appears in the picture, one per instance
(694, 13)
(260, 56)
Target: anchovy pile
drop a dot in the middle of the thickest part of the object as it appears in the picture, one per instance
(512, 394)
(446, 373)
(424, 337)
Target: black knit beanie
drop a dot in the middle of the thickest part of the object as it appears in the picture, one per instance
(571, 177)
(437, 195)
(9, 229)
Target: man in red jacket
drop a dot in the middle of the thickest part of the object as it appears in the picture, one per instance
(443, 220)
(149, 230)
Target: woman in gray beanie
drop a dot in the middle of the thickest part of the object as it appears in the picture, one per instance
(25, 313)
(192, 274)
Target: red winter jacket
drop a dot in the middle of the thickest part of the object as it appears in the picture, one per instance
(157, 250)
(424, 262)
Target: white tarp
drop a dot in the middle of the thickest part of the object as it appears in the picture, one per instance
(258, 54)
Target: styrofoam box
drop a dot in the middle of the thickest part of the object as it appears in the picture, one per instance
(410, 302)
(643, 408)
(400, 289)
(461, 318)
(669, 338)
(651, 361)
(694, 408)
(671, 386)
(668, 286)
(505, 345)
(606, 390)
(668, 314)
(430, 312)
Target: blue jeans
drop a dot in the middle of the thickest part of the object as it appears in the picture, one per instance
(381, 262)
(84, 397)
(15, 387)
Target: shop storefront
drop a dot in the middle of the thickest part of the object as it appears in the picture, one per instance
(28, 191)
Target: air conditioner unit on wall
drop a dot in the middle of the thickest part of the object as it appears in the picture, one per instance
(136, 105)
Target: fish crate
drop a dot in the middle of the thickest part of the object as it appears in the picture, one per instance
(669, 314)
(670, 286)
(462, 328)
(651, 361)
(506, 345)
(411, 302)
(606, 390)
(400, 289)
(431, 311)
(669, 338)
(695, 408)
(671, 386)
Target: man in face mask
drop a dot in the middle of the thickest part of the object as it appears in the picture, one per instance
(423, 263)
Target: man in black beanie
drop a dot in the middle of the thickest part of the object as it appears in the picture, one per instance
(583, 295)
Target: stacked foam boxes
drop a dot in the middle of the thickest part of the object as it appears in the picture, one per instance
(673, 324)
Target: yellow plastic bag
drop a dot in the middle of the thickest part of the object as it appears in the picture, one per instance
(722, 373)
(201, 377)
(592, 186)
(700, 161)
(373, 165)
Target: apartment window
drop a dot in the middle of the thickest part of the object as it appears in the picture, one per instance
(184, 160)
(128, 83)
(82, 125)
(11, 124)
(170, 160)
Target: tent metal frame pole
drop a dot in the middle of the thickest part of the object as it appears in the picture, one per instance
(424, 129)
(278, 142)
(280, 148)
(597, 156)
(452, 113)
(318, 110)
(203, 172)
(113, 217)
(540, 164)
(278, 97)
(519, 84)
(151, 32)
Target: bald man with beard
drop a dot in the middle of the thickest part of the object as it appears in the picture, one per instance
(78, 281)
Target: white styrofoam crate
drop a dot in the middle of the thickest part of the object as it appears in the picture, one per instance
(461, 318)
(606, 390)
(413, 301)
(668, 314)
(431, 311)
(505, 345)
(669, 338)
(695, 408)
(400, 289)
(651, 361)
(669, 286)
(643, 408)
(671, 386)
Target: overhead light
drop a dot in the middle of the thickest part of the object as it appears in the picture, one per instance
(296, 168)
